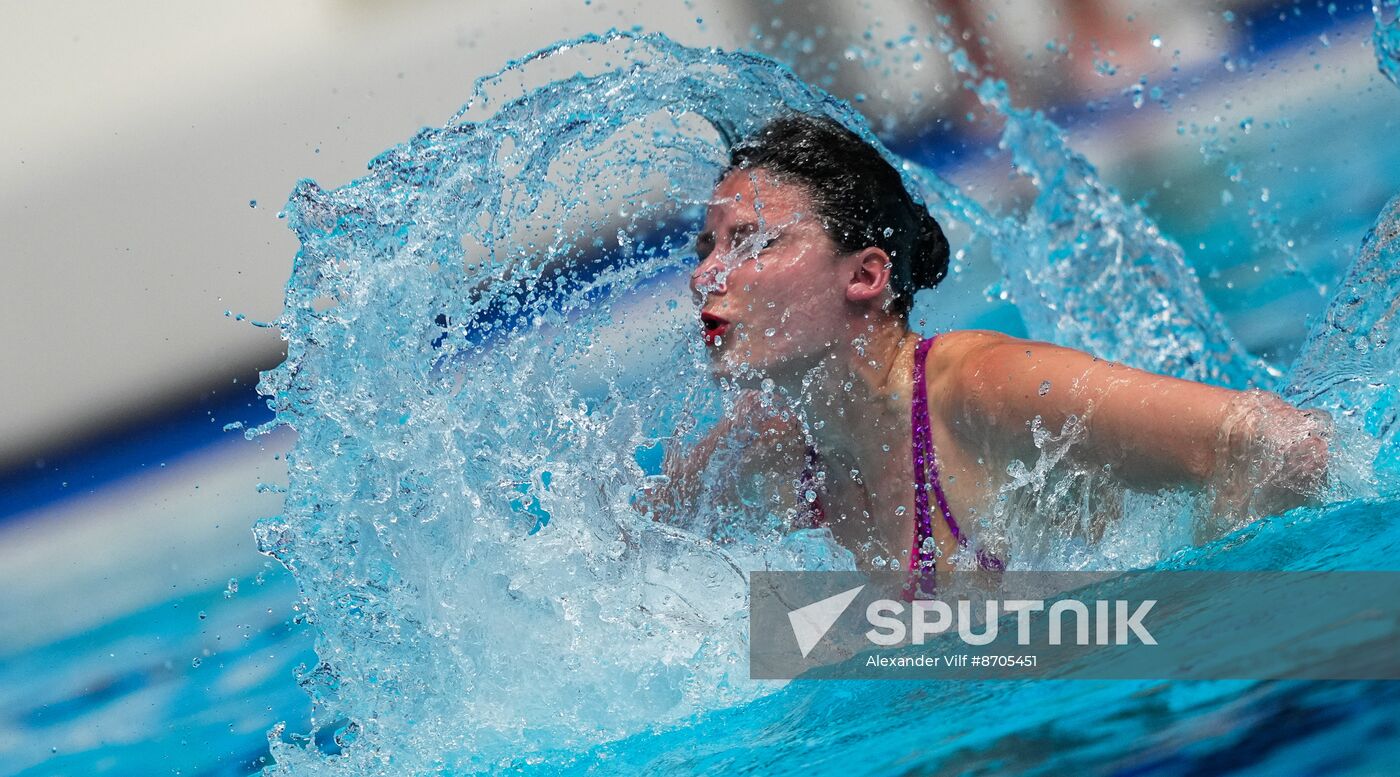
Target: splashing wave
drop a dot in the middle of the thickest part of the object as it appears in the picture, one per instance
(488, 346)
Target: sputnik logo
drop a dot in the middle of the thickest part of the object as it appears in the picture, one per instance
(811, 623)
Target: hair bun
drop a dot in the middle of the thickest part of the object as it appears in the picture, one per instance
(930, 262)
(862, 200)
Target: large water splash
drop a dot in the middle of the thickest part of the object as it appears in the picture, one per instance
(1350, 365)
(1079, 251)
(486, 354)
(1386, 38)
(481, 363)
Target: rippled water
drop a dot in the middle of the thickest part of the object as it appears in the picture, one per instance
(490, 343)
(1058, 727)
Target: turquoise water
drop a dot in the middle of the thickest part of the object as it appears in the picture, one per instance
(490, 343)
(187, 686)
(1078, 726)
(1387, 38)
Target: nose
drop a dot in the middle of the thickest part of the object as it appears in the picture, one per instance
(708, 278)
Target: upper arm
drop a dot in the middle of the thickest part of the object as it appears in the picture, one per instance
(1153, 431)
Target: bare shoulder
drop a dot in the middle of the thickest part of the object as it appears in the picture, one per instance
(959, 349)
(959, 367)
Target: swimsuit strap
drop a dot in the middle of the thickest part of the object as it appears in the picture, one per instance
(921, 562)
(925, 460)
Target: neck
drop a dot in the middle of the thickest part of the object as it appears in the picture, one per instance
(856, 399)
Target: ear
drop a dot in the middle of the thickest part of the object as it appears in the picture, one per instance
(870, 275)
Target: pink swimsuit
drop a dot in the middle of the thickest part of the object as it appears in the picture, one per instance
(922, 555)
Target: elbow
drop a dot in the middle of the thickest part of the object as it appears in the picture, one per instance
(1308, 457)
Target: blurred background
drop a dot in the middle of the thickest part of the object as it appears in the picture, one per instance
(149, 145)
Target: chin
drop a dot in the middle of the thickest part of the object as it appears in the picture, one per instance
(726, 363)
(749, 369)
(721, 367)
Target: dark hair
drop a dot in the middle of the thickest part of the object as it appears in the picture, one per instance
(858, 196)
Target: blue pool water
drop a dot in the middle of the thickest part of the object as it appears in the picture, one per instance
(1060, 727)
(184, 686)
(489, 343)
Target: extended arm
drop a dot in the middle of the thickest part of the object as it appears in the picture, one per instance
(1258, 454)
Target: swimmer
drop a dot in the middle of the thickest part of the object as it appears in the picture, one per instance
(807, 265)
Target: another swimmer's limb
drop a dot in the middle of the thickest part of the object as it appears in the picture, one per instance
(1256, 454)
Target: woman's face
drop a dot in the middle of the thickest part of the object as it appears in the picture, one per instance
(769, 282)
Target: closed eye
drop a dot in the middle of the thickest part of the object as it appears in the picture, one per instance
(760, 245)
(745, 236)
(740, 239)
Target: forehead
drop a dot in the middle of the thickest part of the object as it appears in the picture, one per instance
(746, 195)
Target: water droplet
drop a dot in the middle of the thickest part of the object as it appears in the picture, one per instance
(1156, 41)
(1135, 92)
(1044, 388)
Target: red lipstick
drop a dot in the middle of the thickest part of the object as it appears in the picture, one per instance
(715, 327)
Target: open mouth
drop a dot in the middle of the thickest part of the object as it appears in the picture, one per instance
(715, 327)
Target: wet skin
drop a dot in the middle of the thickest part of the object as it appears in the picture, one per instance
(779, 301)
